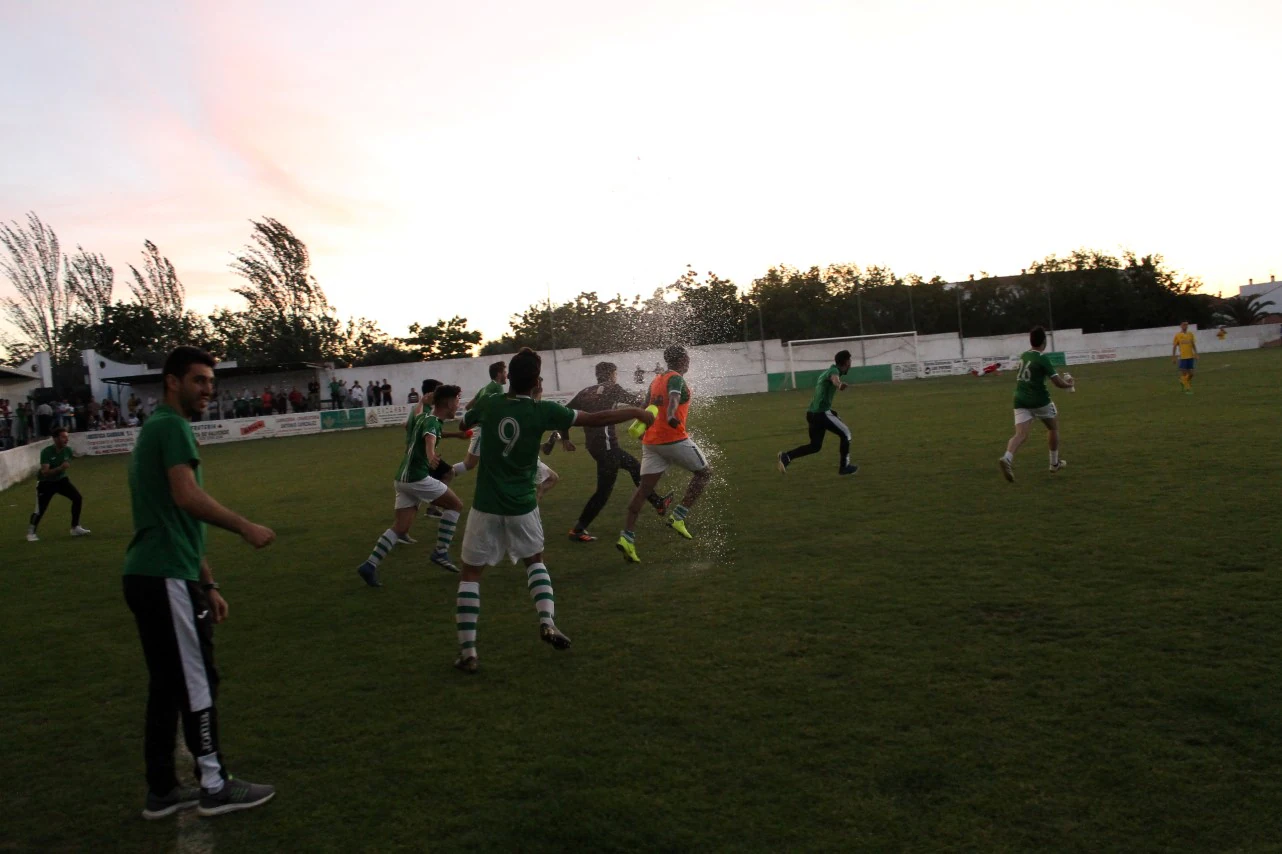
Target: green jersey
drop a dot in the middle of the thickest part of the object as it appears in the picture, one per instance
(1030, 385)
(168, 542)
(490, 388)
(825, 390)
(414, 466)
(53, 458)
(511, 430)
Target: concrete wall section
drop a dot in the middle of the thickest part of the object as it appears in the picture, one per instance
(18, 464)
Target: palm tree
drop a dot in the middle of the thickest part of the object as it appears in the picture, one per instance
(1241, 310)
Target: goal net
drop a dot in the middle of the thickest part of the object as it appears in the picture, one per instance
(885, 348)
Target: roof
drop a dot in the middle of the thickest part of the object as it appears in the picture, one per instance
(13, 375)
(221, 373)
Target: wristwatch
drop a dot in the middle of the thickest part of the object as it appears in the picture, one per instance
(209, 585)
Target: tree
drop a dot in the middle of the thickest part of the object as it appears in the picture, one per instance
(126, 332)
(45, 302)
(91, 279)
(444, 339)
(288, 318)
(1242, 310)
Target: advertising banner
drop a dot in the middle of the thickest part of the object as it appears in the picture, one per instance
(298, 424)
(386, 416)
(343, 419)
(101, 442)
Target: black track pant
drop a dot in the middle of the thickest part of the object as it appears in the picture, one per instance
(608, 464)
(176, 627)
(46, 490)
(821, 423)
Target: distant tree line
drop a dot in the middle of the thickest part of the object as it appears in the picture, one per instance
(64, 304)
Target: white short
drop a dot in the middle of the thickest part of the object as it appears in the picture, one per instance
(1041, 413)
(488, 536)
(423, 491)
(474, 446)
(544, 472)
(655, 459)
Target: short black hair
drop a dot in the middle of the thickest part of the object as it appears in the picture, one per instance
(604, 369)
(495, 368)
(179, 362)
(842, 356)
(445, 392)
(674, 354)
(1037, 337)
(430, 385)
(523, 373)
(55, 431)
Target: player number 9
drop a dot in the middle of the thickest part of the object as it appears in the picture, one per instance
(509, 432)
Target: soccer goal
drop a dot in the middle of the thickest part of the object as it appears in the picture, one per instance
(884, 348)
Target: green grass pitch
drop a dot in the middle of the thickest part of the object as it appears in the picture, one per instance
(921, 657)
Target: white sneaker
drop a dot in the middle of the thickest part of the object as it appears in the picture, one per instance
(32, 538)
(1060, 466)
(79, 531)
(1008, 469)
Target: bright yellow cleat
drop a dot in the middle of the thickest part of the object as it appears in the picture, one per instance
(629, 550)
(679, 526)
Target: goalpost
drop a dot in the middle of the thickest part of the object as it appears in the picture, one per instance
(883, 348)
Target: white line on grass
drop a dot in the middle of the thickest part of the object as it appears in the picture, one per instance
(194, 835)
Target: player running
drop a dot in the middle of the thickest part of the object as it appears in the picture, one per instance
(603, 446)
(414, 485)
(1033, 401)
(498, 379)
(822, 419)
(666, 442)
(52, 480)
(1185, 343)
(504, 519)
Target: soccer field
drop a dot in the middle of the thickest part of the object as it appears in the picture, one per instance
(919, 657)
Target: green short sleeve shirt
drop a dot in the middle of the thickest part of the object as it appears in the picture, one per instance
(53, 458)
(1030, 385)
(511, 430)
(167, 541)
(824, 390)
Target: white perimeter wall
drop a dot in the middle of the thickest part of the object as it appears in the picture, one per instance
(18, 464)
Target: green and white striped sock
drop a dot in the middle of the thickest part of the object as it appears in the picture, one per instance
(540, 584)
(445, 531)
(466, 611)
(382, 547)
(680, 512)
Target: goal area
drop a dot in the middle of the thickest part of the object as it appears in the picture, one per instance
(883, 348)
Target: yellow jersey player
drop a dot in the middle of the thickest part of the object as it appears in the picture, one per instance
(1184, 354)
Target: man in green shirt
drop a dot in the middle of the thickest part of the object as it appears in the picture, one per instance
(170, 589)
(1033, 402)
(504, 519)
(420, 479)
(498, 379)
(52, 480)
(822, 419)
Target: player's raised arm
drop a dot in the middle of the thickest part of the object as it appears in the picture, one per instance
(190, 498)
(612, 416)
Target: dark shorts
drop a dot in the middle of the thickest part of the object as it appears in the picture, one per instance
(442, 468)
(1187, 364)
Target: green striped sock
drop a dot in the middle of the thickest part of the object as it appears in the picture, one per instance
(466, 611)
(445, 531)
(540, 584)
(382, 547)
(681, 512)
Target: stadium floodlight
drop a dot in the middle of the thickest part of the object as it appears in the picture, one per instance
(883, 348)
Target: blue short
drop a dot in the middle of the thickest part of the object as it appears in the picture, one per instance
(1187, 364)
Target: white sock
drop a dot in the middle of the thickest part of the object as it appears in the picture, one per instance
(1008, 457)
(1054, 458)
(460, 468)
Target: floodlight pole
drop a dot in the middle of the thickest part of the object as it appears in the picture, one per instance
(556, 369)
(1050, 311)
(961, 338)
(761, 336)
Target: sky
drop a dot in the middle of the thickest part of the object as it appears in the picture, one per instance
(470, 157)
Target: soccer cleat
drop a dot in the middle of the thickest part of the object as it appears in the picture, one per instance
(664, 503)
(433, 511)
(80, 531)
(679, 525)
(180, 798)
(1008, 469)
(441, 558)
(32, 537)
(551, 634)
(467, 663)
(235, 795)
(849, 468)
(629, 550)
(581, 537)
(1059, 466)
(405, 539)
(369, 573)
(782, 463)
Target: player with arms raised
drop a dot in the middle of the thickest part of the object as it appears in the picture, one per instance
(504, 519)
(665, 443)
(1033, 402)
